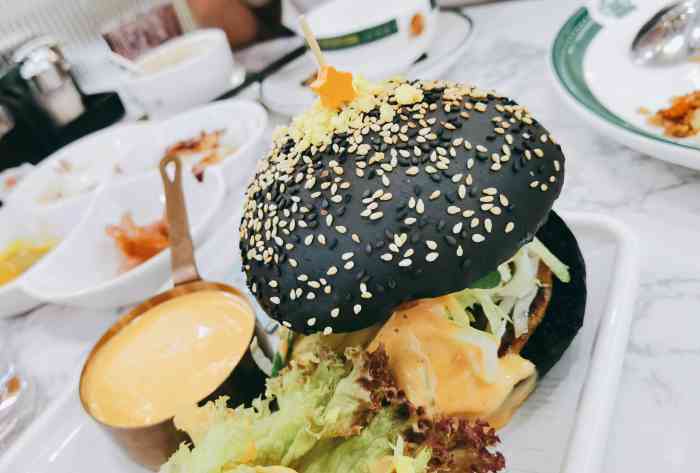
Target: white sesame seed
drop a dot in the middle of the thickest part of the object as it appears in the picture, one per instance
(478, 238)
(430, 257)
(412, 171)
(509, 227)
(335, 312)
(321, 239)
(314, 284)
(460, 251)
(348, 255)
(486, 198)
(503, 199)
(293, 263)
(457, 228)
(431, 244)
(420, 206)
(275, 300)
(387, 257)
(349, 265)
(311, 322)
(272, 283)
(286, 324)
(412, 203)
(488, 225)
(482, 148)
(409, 220)
(544, 187)
(406, 262)
(356, 308)
(332, 271)
(534, 184)
(311, 296)
(474, 222)
(453, 210)
(328, 330)
(538, 152)
(462, 191)
(434, 195)
(303, 277)
(495, 210)
(486, 207)
(409, 252)
(341, 229)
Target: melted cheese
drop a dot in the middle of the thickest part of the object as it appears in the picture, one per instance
(452, 370)
(167, 359)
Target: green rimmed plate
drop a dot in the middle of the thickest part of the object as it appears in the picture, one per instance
(592, 70)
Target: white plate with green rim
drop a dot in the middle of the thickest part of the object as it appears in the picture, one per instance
(595, 75)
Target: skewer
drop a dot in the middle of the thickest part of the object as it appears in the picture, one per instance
(311, 40)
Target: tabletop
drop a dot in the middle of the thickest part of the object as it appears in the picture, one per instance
(657, 411)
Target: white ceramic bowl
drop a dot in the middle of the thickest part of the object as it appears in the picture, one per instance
(93, 159)
(245, 125)
(16, 224)
(182, 73)
(374, 38)
(84, 270)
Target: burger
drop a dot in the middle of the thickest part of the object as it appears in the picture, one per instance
(407, 244)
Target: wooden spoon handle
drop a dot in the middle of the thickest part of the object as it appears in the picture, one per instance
(181, 248)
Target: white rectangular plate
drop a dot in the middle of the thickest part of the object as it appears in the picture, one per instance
(561, 428)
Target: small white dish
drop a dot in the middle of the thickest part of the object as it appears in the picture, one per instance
(394, 33)
(84, 270)
(182, 73)
(76, 170)
(242, 144)
(284, 92)
(596, 76)
(561, 429)
(16, 224)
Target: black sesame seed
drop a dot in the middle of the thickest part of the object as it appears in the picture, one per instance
(372, 172)
(347, 198)
(379, 244)
(417, 190)
(388, 234)
(450, 197)
(441, 225)
(368, 248)
(466, 264)
(452, 241)
(423, 221)
(490, 137)
(333, 243)
(340, 211)
(392, 284)
(436, 177)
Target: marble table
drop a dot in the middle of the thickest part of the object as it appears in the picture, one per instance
(654, 427)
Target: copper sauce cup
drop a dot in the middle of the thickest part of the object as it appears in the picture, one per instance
(152, 445)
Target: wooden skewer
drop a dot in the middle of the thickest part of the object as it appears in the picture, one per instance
(311, 40)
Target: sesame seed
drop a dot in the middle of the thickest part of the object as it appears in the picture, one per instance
(486, 198)
(311, 322)
(509, 227)
(332, 271)
(534, 184)
(462, 191)
(544, 187)
(348, 255)
(309, 239)
(275, 300)
(431, 244)
(328, 330)
(335, 312)
(478, 238)
(495, 210)
(557, 165)
(409, 220)
(474, 222)
(488, 225)
(503, 199)
(482, 149)
(457, 228)
(272, 283)
(341, 229)
(460, 251)
(387, 257)
(434, 195)
(538, 152)
(409, 252)
(453, 210)
(314, 284)
(412, 203)
(467, 213)
(349, 265)
(420, 206)
(293, 263)
(486, 207)
(430, 257)
(406, 262)
(303, 277)
(357, 308)
(321, 239)
(412, 171)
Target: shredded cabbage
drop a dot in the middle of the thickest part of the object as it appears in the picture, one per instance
(510, 300)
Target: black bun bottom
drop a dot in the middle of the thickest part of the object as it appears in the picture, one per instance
(564, 316)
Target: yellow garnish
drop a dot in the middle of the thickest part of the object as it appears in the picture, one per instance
(407, 94)
(334, 87)
(19, 256)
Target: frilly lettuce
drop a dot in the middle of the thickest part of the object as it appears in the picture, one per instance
(331, 413)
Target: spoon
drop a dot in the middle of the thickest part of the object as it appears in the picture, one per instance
(151, 445)
(670, 36)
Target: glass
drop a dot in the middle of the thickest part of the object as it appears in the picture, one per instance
(16, 398)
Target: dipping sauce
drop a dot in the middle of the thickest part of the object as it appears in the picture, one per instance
(19, 256)
(167, 359)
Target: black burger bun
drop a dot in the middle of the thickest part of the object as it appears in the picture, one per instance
(335, 237)
(567, 305)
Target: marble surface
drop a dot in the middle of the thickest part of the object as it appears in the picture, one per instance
(655, 423)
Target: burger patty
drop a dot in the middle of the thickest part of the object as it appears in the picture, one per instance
(538, 309)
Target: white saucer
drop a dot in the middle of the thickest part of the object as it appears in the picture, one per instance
(285, 93)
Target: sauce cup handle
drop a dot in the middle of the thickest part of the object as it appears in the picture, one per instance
(181, 249)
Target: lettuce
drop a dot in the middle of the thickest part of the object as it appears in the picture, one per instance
(330, 413)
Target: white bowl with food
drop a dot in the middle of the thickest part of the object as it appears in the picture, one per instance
(118, 253)
(182, 73)
(62, 186)
(375, 39)
(24, 241)
(230, 134)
